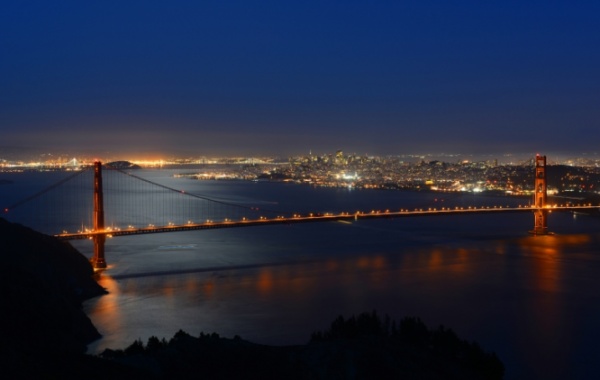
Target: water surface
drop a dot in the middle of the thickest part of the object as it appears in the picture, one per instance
(532, 300)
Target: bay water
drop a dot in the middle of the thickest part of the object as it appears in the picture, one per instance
(534, 300)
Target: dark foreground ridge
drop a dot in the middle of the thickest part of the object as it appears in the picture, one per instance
(44, 332)
(363, 347)
(42, 284)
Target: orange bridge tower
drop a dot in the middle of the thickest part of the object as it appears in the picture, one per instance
(540, 197)
(98, 261)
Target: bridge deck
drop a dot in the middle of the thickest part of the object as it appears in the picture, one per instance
(113, 232)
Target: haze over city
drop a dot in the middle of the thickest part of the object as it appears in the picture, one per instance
(239, 77)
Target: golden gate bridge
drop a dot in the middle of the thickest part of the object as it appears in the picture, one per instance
(140, 197)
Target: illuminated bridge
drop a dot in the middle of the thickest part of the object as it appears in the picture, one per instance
(134, 205)
(298, 218)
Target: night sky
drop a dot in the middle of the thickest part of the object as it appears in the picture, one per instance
(286, 77)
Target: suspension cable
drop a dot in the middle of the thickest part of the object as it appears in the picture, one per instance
(191, 194)
(44, 191)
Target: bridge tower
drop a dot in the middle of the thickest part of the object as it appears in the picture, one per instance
(540, 197)
(98, 261)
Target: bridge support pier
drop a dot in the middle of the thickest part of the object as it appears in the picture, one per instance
(540, 197)
(98, 261)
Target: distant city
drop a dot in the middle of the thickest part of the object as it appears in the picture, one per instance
(508, 174)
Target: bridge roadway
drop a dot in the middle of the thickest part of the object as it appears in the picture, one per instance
(314, 217)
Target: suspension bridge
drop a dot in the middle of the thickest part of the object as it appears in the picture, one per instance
(62, 209)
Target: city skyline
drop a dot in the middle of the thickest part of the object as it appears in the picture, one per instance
(267, 78)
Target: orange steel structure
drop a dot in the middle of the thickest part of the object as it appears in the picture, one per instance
(540, 197)
(98, 260)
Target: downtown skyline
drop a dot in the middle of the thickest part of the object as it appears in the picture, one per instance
(183, 78)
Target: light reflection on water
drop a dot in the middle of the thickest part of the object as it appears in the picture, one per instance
(527, 298)
(533, 300)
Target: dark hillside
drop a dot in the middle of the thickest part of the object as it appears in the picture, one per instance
(363, 347)
(42, 284)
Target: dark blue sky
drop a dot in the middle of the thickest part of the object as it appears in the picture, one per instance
(284, 77)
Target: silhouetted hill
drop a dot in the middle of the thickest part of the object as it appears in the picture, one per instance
(123, 165)
(363, 347)
(42, 284)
